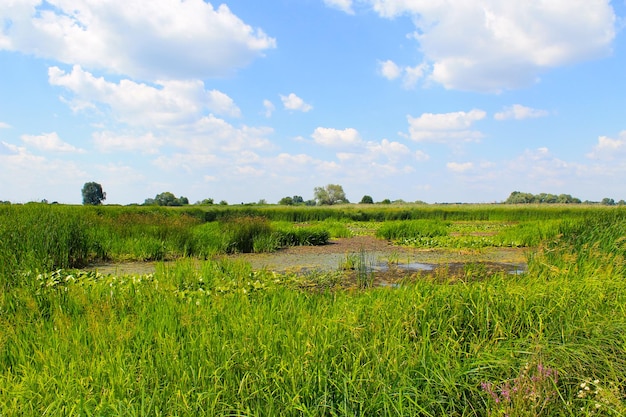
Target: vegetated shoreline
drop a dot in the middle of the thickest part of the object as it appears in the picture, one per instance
(217, 337)
(330, 257)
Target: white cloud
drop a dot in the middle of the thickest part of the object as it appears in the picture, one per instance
(269, 108)
(410, 75)
(459, 167)
(493, 45)
(39, 177)
(343, 5)
(293, 102)
(108, 141)
(4, 125)
(217, 102)
(50, 142)
(608, 148)
(413, 74)
(443, 127)
(326, 136)
(519, 112)
(169, 103)
(156, 40)
(421, 156)
(389, 69)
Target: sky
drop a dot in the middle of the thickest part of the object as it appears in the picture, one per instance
(244, 100)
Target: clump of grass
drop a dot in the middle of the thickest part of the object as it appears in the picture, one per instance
(412, 229)
(301, 236)
(242, 232)
(41, 237)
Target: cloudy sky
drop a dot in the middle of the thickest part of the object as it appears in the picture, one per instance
(432, 100)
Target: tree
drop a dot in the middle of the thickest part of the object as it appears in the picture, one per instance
(367, 200)
(290, 201)
(329, 195)
(205, 202)
(166, 199)
(93, 194)
(517, 197)
(608, 202)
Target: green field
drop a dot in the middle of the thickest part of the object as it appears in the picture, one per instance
(208, 335)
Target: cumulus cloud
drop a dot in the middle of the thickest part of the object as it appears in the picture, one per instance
(326, 136)
(410, 75)
(108, 141)
(543, 169)
(4, 125)
(343, 5)
(494, 45)
(608, 148)
(459, 167)
(519, 112)
(389, 69)
(50, 142)
(443, 127)
(39, 177)
(166, 103)
(293, 102)
(269, 108)
(161, 39)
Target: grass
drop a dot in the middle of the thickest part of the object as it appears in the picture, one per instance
(215, 337)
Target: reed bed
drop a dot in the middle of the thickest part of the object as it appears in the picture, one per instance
(215, 337)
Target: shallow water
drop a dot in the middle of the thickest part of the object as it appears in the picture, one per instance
(377, 256)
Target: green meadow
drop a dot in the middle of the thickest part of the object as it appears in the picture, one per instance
(205, 334)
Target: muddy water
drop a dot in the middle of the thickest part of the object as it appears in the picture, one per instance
(378, 255)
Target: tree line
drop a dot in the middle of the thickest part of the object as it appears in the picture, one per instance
(331, 194)
(517, 197)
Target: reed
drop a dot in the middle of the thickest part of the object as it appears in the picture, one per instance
(215, 337)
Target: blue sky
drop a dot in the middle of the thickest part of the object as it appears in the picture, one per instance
(245, 100)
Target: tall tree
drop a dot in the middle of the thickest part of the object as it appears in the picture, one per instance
(93, 194)
(367, 200)
(329, 195)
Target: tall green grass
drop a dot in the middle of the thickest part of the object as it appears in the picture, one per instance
(217, 338)
(412, 229)
(41, 237)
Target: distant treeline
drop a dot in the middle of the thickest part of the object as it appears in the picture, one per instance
(518, 197)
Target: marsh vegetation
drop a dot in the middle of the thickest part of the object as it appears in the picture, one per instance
(208, 332)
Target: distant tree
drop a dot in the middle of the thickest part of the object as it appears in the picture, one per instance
(166, 199)
(298, 199)
(329, 195)
(517, 197)
(608, 202)
(205, 202)
(310, 203)
(367, 200)
(262, 202)
(223, 203)
(621, 203)
(93, 194)
(286, 201)
(386, 201)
